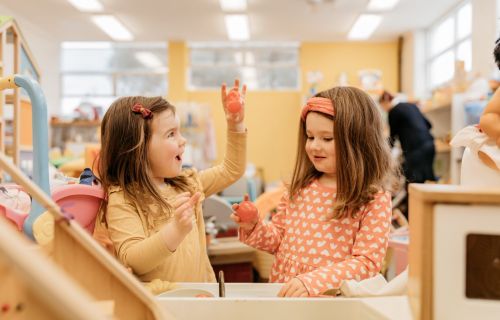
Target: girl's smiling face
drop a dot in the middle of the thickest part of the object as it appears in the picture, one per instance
(166, 146)
(320, 145)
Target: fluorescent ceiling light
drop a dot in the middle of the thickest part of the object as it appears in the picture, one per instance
(148, 59)
(233, 5)
(382, 5)
(87, 5)
(364, 26)
(112, 27)
(237, 26)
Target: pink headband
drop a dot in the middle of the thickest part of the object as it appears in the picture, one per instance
(318, 104)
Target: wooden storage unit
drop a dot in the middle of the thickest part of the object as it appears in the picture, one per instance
(440, 118)
(15, 58)
(425, 201)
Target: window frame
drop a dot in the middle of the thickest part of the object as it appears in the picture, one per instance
(453, 47)
(112, 73)
(244, 48)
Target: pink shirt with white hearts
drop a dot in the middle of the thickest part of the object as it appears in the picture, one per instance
(320, 252)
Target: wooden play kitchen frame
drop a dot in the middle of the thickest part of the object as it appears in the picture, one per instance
(87, 263)
(32, 287)
(425, 200)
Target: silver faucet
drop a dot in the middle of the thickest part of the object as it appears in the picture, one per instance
(222, 285)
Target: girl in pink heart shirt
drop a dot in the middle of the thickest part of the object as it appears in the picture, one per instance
(333, 222)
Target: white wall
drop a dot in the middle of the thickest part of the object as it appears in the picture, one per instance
(484, 34)
(45, 50)
(413, 64)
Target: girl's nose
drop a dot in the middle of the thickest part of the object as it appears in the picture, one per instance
(315, 145)
(182, 142)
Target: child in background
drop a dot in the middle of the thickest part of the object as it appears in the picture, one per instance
(334, 220)
(153, 213)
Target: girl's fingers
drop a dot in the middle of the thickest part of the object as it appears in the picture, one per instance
(194, 199)
(293, 292)
(182, 208)
(235, 218)
(223, 92)
(180, 201)
(283, 290)
(244, 91)
(236, 84)
(235, 206)
(185, 219)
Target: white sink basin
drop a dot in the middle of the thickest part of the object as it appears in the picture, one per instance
(258, 301)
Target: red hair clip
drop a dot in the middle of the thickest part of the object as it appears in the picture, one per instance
(139, 108)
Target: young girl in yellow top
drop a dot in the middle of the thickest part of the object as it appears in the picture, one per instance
(334, 220)
(153, 213)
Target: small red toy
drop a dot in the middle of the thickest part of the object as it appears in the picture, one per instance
(247, 211)
(233, 101)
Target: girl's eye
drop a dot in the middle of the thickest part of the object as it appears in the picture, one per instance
(310, 138)
(328, 139)
(171, 134)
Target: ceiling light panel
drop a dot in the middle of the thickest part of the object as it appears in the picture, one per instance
(87, 5)
(364, 26)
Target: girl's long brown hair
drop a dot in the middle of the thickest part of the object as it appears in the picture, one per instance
(123, 159)
(362, 153)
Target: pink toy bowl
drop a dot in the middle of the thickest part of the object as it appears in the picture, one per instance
(81, 201)
(15, 216)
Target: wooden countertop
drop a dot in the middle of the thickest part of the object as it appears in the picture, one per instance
(230, 250)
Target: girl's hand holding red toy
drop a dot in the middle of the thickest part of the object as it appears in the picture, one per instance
(245, 214)
(234, 106)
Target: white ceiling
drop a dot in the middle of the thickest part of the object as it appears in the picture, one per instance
(203, 20)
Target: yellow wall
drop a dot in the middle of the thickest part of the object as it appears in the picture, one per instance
(334, 58)
(272, 117)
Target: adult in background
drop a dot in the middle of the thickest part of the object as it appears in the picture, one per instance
(412, 129)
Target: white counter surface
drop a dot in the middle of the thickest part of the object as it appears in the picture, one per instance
(259, 301)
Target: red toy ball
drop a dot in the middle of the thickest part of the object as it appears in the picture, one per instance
(233, 102)
(247, 211)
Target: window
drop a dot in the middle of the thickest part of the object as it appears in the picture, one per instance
(259, 66)
(449, 40)
(96, 73)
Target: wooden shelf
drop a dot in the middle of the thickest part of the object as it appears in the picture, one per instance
(9, 99)
(438, 107)
(442, 147)
(25, 148)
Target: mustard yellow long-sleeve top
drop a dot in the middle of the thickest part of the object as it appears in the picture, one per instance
(134, 231)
